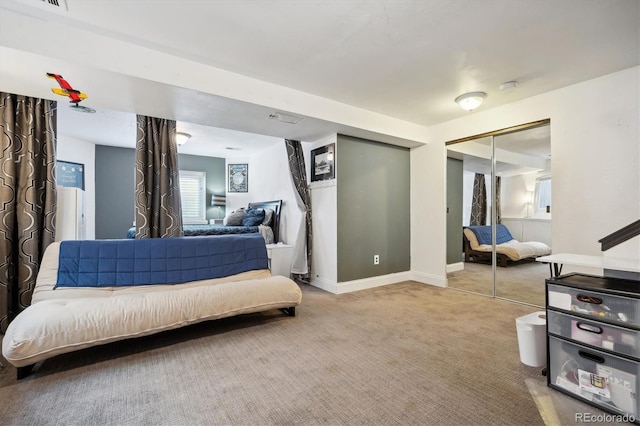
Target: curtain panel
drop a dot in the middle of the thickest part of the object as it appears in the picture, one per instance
(479, 201)
(27, 197)
(301, 263)
(157, 193)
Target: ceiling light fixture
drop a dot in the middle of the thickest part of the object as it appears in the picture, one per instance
(470, 101)
(81, 108)
(182, 138)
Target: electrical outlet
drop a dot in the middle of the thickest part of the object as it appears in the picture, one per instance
(376, 259)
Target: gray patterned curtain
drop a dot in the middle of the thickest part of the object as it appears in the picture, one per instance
(479, 201)
(497, 201)
(301, 263)
(158, 206)
(27, 197)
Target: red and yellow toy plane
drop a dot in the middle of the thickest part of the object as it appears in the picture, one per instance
(65, 89)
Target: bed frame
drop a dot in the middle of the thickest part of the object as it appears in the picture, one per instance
(471, 255)
(276, 206)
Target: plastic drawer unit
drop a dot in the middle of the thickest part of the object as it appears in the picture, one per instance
(620, 340)
(593, 341)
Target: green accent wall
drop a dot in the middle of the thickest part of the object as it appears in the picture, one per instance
(454, 211)
(115, 187)
(373, 208)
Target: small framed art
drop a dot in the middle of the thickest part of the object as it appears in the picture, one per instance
(70, 174)
(323, 163)
(238, 177)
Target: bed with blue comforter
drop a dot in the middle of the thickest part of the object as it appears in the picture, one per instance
(198, 230)
(93, 292)
(268, 228)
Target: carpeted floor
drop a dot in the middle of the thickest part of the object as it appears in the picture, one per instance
(403, 354)
(523, 282)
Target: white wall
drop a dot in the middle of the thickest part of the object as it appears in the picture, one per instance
(595, 164)
(529, 229)
(76, 151)
(324, 210)
(514, 195)
(269, 179)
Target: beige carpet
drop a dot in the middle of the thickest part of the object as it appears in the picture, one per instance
(404, 354)
(522, 282)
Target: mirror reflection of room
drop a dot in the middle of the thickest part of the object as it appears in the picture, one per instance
(519, 195)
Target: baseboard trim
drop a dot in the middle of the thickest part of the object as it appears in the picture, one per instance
(430, 279)
(330, 286)
(366, 283)
(453, 267)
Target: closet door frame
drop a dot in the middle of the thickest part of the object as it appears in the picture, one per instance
(492, 135)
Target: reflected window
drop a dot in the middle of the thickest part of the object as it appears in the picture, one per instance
(542, 198)
(192, 195)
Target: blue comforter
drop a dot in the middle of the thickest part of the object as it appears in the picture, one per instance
(483, 234)
(194, 230)
(99, 263)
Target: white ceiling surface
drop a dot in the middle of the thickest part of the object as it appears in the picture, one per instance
(377, 69)
(524, 151)
(114, 128)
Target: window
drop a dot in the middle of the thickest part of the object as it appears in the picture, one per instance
(542, 197)
(193, 194)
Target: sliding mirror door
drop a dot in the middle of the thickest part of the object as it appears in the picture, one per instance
(469, 195)
(523, 176)
(501, 182)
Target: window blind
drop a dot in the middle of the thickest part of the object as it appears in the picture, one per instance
(192, 194)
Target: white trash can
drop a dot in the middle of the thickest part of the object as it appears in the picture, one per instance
(532, 339)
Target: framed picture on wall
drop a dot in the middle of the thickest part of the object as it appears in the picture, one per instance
(323, 163)
(70, 174)
(238, 177)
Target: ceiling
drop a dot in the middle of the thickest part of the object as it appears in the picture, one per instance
(516, 153)
(384, 70)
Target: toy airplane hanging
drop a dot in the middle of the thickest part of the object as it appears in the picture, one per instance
(65, 89)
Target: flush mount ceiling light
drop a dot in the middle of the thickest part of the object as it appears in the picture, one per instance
(182, 138)
(470, 101)
(81, 108)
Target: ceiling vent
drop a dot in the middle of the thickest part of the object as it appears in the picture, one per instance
(60, 5)
(285, 118)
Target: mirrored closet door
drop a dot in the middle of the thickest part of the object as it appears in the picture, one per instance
(501, 182)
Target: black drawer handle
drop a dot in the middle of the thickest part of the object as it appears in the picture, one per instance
(589, 299)
(588, 327)
(591, 357)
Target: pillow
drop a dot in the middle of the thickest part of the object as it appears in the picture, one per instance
(268, 217)
(253, 217)
(235, 218)
(267, 234)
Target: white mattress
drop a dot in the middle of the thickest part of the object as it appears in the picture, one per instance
(68, 319)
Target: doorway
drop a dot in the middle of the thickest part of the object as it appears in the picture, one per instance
(500, 181)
